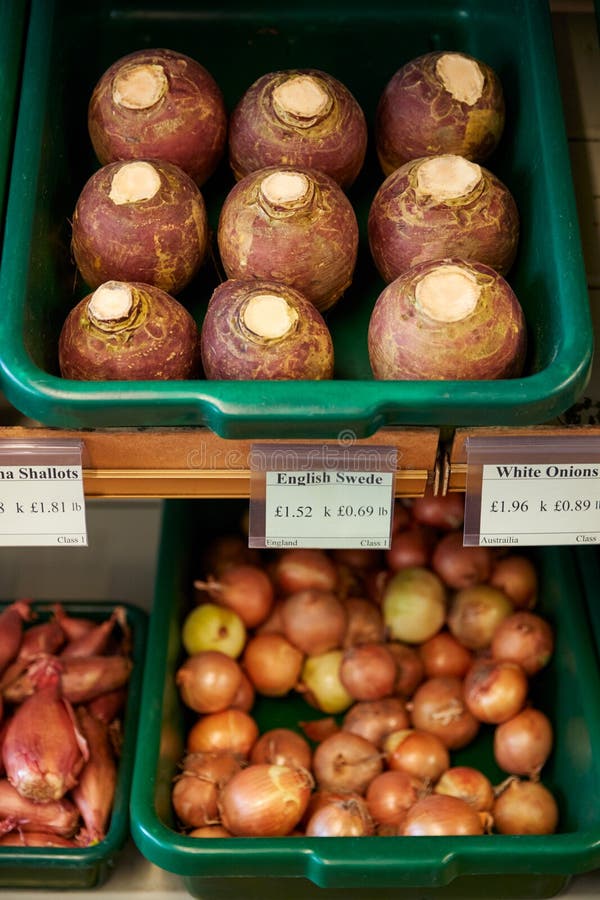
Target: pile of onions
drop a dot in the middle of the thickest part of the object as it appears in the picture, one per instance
(63, 689)
(394, 683)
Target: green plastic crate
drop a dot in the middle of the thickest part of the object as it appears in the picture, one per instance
(13, 19)
(494, 866)
(87, 867)
(71, 44)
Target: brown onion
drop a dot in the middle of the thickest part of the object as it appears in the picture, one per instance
(265, 800)
(364, 622)
(495, 691)
(459, 566)
(419, 753)
(341, 818)
(438, 706)
(517, 576)
(437, 814)
(411, 546)
(196, 790)
(374, 719)
(304, 568)
(443, 511)
(314, 620)
(346, 762)
(282, 747)
(231, 731)
(409, 668)
(245, 695)
(524, 638)
(525, 807)
(443, 654)
(209, 831)
(208, 681)
(391, 794)
(318, 729)
(244, 588)
(302, 117)
(475, 613)
(469, 784)
(523, 743)
(368, 671)
(273, 664)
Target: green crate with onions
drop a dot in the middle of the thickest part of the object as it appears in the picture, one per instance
(362, 46)
(495, 865)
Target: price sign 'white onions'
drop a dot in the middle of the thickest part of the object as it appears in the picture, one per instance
(441, 102)
(158, 104)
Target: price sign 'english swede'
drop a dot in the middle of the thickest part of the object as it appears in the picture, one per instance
(41, 494)
(321, 495)
(537, 490)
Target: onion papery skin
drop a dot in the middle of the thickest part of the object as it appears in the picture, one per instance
(475, 613)
(161, 240)
(311, 246)
(187, 126)
(231, 352)
(406, 343)
(460, 566)
(159, 341)
(414, 605)
(335, 143)
(438, 706)
(417, 116)
(525, 638)
(443, 511)
(525, 807)
(303, 568)
(523, 743)
(407, 226)
(265, 800)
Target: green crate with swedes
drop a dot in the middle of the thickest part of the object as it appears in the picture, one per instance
(490, 865)
(362, 45)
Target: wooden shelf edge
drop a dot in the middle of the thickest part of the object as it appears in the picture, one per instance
(194, 462)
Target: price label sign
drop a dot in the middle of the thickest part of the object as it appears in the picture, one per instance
(41, 494)
(325, 496)
(537, 490)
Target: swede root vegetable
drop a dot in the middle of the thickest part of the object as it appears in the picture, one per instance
(257, 329)
(292, 225)
(298, 117)
(142, 220)
(447, 319)
(442, 206)
(159, 104)
(128, 331)
(43, 749)
(440, 102)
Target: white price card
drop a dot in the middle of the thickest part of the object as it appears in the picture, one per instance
(42, 501)
(323, 496)
(537, 490)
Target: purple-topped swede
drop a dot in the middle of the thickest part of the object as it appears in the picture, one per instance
(129, 332)
(259, 329)
(140, 220)
(292, 225)
(159, 104)
(447, 319)
(440, 102)
(298, 117)
(441, 206)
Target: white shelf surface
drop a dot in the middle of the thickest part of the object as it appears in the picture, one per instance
(121, 558)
